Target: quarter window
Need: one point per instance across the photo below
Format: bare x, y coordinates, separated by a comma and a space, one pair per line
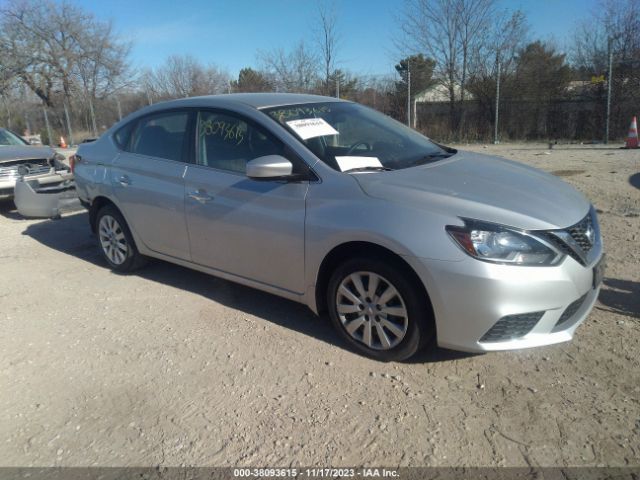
122, 136
162, 135
227, 142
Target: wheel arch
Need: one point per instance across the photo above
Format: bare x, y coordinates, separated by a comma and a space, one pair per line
342, 252
95, 207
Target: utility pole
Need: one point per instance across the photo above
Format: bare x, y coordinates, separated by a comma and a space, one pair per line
609, 82
408, 94
495, 127
46, 122
337, 85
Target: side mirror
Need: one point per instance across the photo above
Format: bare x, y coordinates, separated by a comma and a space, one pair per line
269, 167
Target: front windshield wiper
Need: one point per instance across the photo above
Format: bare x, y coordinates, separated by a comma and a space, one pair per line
368, 169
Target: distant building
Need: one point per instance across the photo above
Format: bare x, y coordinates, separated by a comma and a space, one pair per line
438, 93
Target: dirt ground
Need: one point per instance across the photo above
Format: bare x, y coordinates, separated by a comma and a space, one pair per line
173, 367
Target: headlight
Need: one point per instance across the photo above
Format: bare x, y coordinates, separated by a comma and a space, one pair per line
499, 244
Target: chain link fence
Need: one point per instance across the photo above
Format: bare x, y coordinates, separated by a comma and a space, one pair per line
74, 120
576, 111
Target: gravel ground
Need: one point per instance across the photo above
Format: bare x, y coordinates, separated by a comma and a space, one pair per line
173, 367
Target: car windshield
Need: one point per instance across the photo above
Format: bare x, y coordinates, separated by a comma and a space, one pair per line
353, 138
8, 138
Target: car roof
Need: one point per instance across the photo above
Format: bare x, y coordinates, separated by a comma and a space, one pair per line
256, 100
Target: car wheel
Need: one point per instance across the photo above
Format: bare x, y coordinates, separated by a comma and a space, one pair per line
378, 309
116, 242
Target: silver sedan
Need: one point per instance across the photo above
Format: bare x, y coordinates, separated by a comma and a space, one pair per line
329, 203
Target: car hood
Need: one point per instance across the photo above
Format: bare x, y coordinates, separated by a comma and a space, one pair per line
482, 187
24, 152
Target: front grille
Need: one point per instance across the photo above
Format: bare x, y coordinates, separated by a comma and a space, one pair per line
562, 246
568, 313
578, 239
579, 233
512, 327
35, 167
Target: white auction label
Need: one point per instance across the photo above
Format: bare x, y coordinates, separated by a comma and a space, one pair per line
311, 127
348, 163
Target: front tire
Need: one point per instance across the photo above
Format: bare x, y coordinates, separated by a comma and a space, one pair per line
379, 309
116, 242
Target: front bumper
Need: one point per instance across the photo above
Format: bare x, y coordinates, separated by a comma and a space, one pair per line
470, 296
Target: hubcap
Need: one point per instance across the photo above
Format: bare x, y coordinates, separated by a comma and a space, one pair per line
371, 310
112, 239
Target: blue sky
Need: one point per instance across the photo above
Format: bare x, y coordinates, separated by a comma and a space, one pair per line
229, 32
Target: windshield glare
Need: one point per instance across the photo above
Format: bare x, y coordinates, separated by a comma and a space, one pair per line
8, 138
351, 137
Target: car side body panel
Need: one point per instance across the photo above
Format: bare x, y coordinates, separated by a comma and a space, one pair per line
254, 229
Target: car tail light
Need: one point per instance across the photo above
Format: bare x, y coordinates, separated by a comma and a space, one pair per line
73, 159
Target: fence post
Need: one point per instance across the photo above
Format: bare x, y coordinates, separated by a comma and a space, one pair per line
408, 95
609, 82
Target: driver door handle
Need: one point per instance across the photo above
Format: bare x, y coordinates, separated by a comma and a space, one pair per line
200, 196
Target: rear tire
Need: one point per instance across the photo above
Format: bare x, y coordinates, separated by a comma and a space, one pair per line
378, 309
116, 242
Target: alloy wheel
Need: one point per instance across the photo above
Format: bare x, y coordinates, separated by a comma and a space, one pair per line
372, 310
112, 239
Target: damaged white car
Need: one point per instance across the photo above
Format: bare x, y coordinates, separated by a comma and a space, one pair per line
34, 176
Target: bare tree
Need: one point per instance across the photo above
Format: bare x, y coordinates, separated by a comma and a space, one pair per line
496, 55
293, 71
455, 33
327, 38
606, 53
102, 67
184, 76
473, 19
50, 46
615, 25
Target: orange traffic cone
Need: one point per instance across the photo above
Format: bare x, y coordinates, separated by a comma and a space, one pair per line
63, 144
632, 137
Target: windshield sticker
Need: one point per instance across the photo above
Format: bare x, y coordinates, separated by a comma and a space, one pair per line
348, 163
311, 127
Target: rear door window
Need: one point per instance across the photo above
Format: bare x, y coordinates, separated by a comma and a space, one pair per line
161, 135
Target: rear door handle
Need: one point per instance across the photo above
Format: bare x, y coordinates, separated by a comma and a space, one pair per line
200, 196
124, 180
